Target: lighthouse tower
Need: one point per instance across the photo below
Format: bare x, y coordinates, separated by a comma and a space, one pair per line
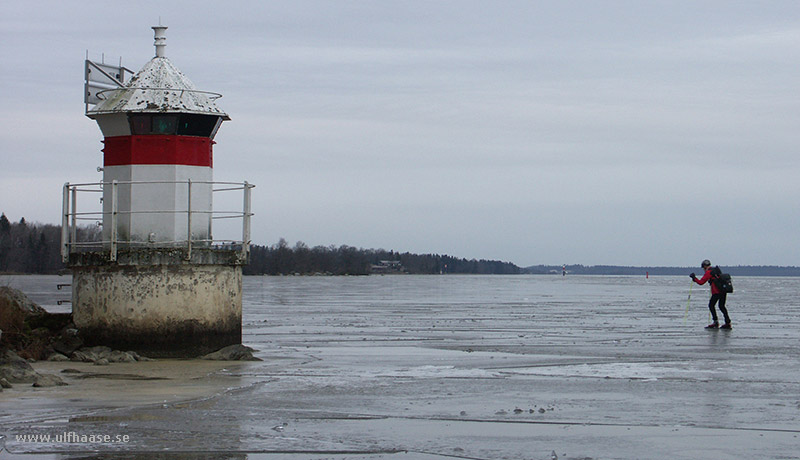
159, 133
158, 282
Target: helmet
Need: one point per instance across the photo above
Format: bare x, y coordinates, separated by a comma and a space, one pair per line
706, 263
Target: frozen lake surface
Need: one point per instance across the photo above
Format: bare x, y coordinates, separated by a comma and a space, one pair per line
439, 367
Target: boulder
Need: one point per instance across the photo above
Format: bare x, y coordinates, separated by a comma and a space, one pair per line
82, 357
105, 354
67, 342
15, 369
15, 310
237, 352
117, 356
19, 301
99, 351
57, 357
85, 355
28, 329
138, 357
4, 383
48, 380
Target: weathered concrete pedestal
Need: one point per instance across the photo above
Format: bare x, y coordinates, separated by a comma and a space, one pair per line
159, 302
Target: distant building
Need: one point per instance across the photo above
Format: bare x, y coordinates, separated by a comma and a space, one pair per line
388, 266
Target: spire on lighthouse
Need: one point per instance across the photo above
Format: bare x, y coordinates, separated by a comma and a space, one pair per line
158, 87
160, 39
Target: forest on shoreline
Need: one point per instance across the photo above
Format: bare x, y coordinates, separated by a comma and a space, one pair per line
33, 248
36, 249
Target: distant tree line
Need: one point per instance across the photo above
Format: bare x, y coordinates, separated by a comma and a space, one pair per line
737, 270
36, 248
29, 248
282, 259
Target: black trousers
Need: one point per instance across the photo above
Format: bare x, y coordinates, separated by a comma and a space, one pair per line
721, 297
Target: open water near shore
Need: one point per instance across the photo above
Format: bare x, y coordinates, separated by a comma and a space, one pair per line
438, 367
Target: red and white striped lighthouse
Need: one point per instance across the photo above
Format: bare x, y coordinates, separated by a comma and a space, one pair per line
158, 282
159, 134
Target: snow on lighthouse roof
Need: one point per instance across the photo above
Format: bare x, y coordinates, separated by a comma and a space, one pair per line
159, 87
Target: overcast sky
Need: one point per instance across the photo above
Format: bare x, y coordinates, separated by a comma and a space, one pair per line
592, 132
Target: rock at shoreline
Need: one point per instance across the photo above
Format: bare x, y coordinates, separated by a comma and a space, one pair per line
28, 329
68, 342
48, 380
237, 352
16, 310
19, 301
15, 369
101, 355
57, 357
117, 356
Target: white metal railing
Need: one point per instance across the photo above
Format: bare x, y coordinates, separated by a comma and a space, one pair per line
210, 94
72, 217
153, 94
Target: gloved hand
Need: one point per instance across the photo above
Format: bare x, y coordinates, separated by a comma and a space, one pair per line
693, 276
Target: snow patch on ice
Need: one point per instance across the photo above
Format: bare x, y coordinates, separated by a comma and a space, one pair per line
439, 372
639, 371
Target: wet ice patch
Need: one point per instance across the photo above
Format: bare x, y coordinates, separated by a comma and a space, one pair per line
637, 371
440, 372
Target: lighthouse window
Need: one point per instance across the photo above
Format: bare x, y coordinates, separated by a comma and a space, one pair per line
165, 124
153, 124
197, 125
140, 124
185, 124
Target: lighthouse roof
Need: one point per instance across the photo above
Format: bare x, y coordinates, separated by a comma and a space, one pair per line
159, 87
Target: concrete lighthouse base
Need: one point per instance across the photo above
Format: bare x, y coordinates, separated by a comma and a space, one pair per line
157, 302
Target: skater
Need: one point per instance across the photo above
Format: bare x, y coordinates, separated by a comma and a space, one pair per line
716, 296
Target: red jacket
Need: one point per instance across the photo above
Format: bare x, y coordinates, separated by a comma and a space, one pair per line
705, 278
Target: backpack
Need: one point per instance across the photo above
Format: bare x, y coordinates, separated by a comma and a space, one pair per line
721, 280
